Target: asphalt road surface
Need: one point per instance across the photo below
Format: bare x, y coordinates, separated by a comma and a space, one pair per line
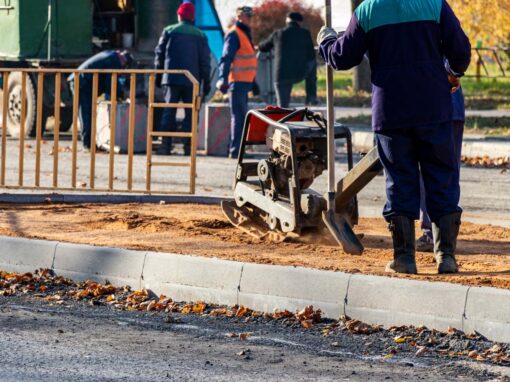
80, 342
485, 192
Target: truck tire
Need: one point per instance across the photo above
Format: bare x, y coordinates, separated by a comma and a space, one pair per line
14, 106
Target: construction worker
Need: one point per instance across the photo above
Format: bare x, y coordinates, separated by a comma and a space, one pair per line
110, 59
237, 73
425, 242
181, 46
294, 55
411, 112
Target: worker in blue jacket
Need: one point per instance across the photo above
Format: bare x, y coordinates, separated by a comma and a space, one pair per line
182, 46
237, 73
411, 112
110, 59
425, 242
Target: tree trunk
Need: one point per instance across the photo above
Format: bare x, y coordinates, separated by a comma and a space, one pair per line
361, 78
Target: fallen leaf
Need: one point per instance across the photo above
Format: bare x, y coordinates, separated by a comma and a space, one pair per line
243, 336
421, 351
401, 339
199, 308
242, 311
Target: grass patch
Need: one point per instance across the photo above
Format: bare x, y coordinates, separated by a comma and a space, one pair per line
483, 94
474, 125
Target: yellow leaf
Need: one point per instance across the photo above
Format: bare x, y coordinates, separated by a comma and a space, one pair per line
401, 339
199, 308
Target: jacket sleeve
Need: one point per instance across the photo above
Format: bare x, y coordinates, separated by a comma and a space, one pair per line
267, 44
456, 45
205, 61
160, 51
347, 51
230, 48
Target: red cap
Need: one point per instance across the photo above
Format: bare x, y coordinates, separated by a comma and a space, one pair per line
187, 11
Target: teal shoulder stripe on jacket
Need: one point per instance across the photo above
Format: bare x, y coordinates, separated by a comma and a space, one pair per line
185, 28
372, 14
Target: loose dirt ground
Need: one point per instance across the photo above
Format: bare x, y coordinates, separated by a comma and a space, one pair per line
201, 230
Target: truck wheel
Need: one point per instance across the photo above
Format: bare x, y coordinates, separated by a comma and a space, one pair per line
14, 106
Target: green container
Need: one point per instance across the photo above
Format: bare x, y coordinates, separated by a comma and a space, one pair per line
24, 29
152, 17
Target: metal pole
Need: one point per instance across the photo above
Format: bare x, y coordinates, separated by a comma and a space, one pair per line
5, 110
331, 123
49, 28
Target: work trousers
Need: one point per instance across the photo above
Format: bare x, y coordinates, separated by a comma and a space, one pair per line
458, 132
238, 100
284, 88
283, 92
311, 83
84, 112
406, 152
176, 94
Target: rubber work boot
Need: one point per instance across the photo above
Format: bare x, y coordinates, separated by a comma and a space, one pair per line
403, 235
165, 147
445, 242
425, 242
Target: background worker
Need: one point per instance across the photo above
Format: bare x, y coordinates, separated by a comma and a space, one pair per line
181, 46
426, 241
110, 59
411, 112
294, 56
237, 73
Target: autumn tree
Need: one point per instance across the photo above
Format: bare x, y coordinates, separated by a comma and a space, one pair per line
487, 21
271, 14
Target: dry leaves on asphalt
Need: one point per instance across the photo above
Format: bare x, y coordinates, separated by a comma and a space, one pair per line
46, 285
486, 161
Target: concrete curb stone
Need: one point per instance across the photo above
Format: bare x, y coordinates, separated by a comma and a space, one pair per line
373, 299
269, 287
190, 278
108, 198
26, 255
392, 301
83, 262
488, 312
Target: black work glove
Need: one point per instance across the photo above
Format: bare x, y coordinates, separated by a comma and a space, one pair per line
255, 89
159, 80
207, 88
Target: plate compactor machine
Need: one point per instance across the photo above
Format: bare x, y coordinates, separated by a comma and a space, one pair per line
272, 196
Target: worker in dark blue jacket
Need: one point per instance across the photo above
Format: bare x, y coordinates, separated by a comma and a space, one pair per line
425, 242
294, 56
237, 73
182, 46
411, 112
110, 59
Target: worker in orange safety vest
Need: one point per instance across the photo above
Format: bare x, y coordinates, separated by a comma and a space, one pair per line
237, 74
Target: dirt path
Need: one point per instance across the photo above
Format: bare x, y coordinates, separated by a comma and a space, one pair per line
484, 250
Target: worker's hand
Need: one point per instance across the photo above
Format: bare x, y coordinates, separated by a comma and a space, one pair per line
454, 83
207, 88
159, 80
255, 89
325, 33
222, 86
